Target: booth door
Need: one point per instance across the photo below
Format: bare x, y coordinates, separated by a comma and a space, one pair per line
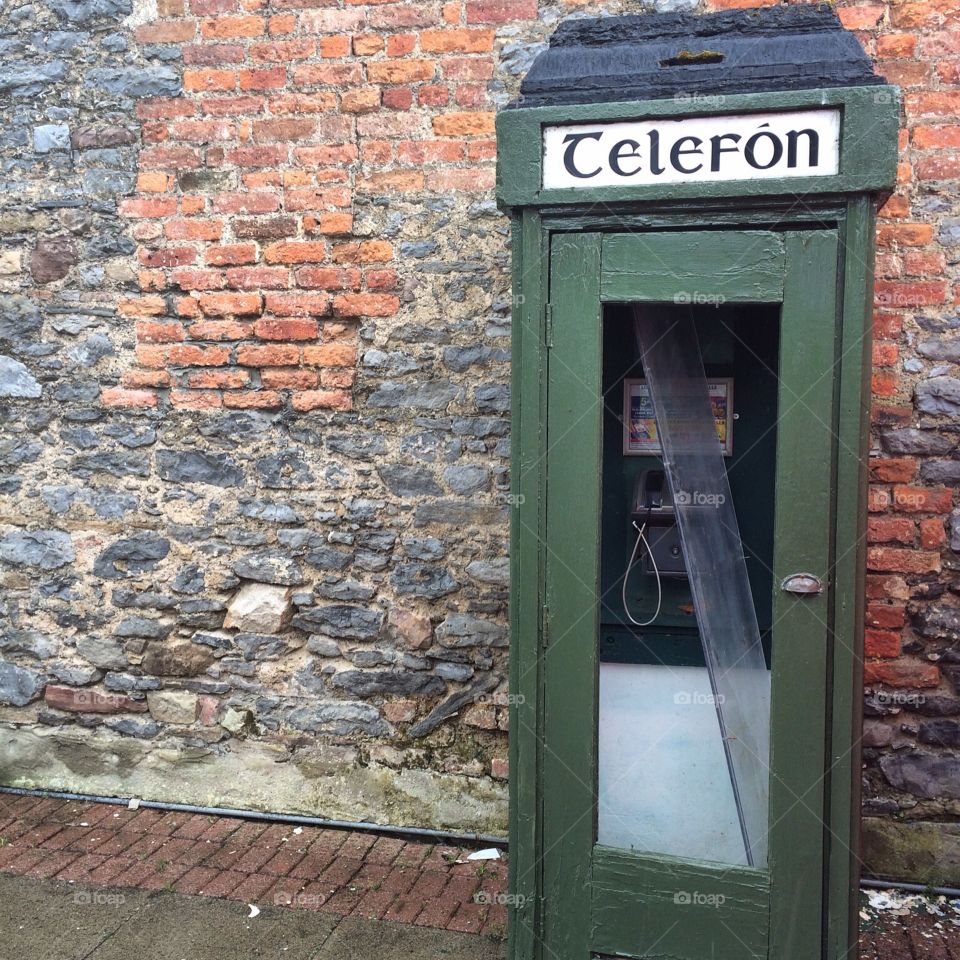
686, 627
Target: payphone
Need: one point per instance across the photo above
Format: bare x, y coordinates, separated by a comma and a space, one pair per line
692, 203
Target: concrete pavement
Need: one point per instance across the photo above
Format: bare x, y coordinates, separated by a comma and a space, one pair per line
57, 920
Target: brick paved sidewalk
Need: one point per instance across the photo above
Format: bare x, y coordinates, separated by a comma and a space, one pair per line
335, 871
346, 873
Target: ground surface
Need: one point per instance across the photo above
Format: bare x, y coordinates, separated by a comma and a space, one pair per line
86, 881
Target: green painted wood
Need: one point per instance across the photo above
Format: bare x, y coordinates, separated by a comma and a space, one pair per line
572, 570
800, 675
802, 624
693, 267
761, 213
868, 147
665, 907
853, 432
526, 559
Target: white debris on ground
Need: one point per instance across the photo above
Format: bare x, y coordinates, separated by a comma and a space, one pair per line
898, 903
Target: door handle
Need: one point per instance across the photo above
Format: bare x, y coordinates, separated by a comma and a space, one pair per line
802, 583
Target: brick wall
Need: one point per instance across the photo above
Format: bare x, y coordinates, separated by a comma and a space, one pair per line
255, 277
255, 335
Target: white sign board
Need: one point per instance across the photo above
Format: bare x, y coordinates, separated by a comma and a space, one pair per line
756, 146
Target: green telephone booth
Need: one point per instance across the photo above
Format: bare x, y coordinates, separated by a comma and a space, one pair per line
692, 204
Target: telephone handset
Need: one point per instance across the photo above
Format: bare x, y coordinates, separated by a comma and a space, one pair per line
652, 498
653, 516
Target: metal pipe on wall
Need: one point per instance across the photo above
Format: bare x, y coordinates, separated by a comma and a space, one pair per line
386, 829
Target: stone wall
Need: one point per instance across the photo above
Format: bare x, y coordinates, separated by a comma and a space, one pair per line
254, 343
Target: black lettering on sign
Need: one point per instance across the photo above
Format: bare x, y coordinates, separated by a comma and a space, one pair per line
749, 151
573, 140
692, 148
678, 150
622, 151
813, 153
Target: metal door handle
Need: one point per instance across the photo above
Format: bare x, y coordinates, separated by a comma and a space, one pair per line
802, 583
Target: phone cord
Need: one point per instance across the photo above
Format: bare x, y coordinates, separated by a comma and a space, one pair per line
641, 538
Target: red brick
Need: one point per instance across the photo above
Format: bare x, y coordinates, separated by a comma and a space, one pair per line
905, 234
289, 378
268, 355
500, 11
191, 279
228, 28
212, 54
164, 109
258, 278
256, 157
321, 399
328, 74
283, 51
231, 254
922, 499
188, 355
934, 104
283, 129
147, 207
938, 168
365, 305
932, 534
898, 470
295, 252
267, 228
145, 378
460, 180
122, 397
230, 304
248, 202
81, 700
196, 880
902, 561
193, 229
169, 257
330, 355
327, 278
243, 105
901, 673
913, 294
297, 304
366, 251
220, 330
150, 331
881, 643
398, 98
271, 329
203, 81
166, 31
885, 615
218, 379
203, 131
400, 71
